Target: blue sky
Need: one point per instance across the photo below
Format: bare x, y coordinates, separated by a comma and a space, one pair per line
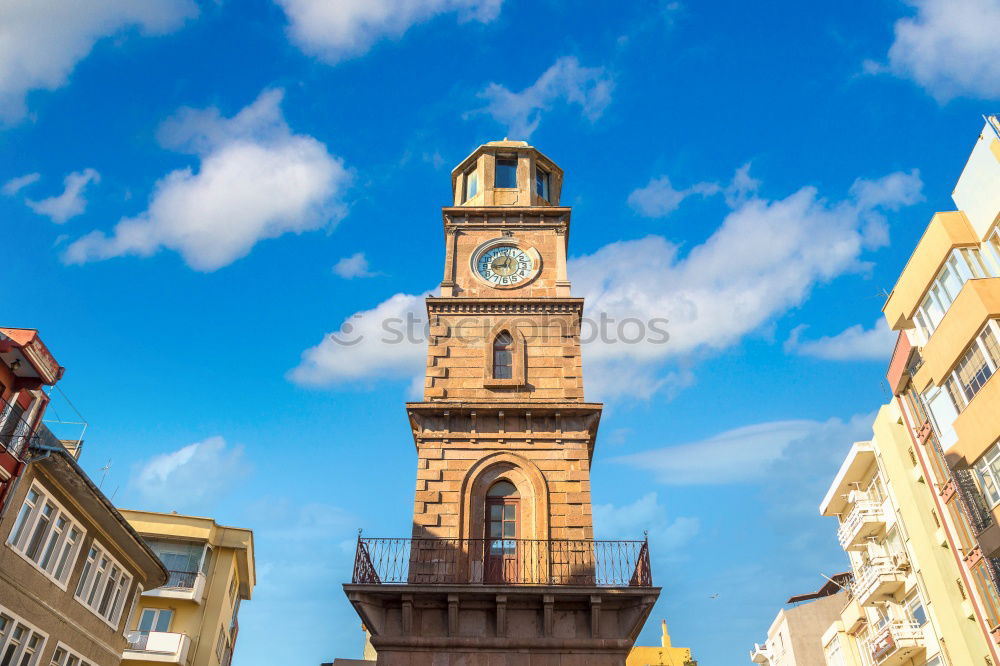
194, 194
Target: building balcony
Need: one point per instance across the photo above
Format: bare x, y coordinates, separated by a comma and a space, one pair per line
157, 646
188, 585
896, 643
15, 432
976, 427
865, 520
500, 562
853, 616
760, 654
883, 577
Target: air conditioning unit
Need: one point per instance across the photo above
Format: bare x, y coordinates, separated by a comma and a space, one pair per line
901, 562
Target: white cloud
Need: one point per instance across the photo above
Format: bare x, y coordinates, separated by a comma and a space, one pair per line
629, 521
740, 454
949, 47
659, 198
388, 341
71, 202
763, 259
565, 81
190, 475
335, 31
41, 42
255, 180
855, 343
354, 266
15, 185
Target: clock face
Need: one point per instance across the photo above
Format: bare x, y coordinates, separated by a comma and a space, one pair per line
505, 265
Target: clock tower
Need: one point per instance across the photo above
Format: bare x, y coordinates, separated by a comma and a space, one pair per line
502, 559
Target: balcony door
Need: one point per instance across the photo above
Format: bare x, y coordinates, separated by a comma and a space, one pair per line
502, 532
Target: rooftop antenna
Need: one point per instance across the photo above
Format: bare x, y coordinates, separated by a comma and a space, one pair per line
104, 473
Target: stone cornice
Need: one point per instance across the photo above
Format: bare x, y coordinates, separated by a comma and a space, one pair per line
460, 304
498, 217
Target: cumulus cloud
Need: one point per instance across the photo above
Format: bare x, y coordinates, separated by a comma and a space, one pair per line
659, 197
41, 42
629, 521
389, 342
566, 81
15, 185
763, 259
190, 475
354, 266
949, 47
255, 179
335, 31
71, 202
855, 343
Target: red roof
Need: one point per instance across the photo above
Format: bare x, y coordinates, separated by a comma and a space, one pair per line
21, 336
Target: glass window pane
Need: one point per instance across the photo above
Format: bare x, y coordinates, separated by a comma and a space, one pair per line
495, 512
496, 529
508, 530
506, 172
508, 512
950, 284
502, 489
163, 620
146, 620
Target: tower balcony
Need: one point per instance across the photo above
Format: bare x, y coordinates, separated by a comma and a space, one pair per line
896, 643
866, 519
883, 577
502, 562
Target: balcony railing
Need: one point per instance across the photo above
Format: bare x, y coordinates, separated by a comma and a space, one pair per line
181, 580
853, 530
882, 576
893, 638
159, 642
502, 562
15, 432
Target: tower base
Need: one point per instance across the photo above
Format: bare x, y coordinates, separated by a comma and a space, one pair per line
482, 625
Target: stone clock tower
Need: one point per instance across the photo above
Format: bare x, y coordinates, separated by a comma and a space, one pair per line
502, 561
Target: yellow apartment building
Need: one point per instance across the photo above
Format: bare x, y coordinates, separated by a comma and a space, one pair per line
193, 619
907, 605
946, 307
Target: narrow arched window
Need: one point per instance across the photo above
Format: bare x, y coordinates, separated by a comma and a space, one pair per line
503, 356
502, 532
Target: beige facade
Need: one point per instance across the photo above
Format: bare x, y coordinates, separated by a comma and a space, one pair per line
71, 568
192, 620
907, 605
793, 639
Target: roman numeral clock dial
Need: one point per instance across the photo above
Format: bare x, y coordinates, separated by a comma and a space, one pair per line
505, 265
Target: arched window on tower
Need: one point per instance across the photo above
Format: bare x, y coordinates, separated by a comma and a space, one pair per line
503, 356
502, 531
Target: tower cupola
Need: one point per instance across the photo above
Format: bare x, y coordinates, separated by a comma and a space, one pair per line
506, 173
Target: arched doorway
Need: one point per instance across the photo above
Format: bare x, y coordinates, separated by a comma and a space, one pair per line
502, 523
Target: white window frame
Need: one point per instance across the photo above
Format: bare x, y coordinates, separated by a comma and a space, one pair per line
94, 575
987, 471
6, 633
911, 600
470, 184
991, 364
962, 264
63, 554
71, 657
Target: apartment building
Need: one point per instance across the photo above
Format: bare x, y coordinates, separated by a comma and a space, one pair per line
946, 306
193, 619
71, 567
908, 604
793, 637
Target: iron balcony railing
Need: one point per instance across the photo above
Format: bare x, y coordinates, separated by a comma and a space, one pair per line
181, 580
15, 432
503, 562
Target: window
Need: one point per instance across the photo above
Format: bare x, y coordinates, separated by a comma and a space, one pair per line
506, 172
987, 470
233, 586
542, 183
976, 365
834, 655
63, 656
963, 264
915, 609
103, 585
20, 643
987, 592
502, 501
182, 559
155, 619
46, 535
471, 185
503, 356
220, 645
